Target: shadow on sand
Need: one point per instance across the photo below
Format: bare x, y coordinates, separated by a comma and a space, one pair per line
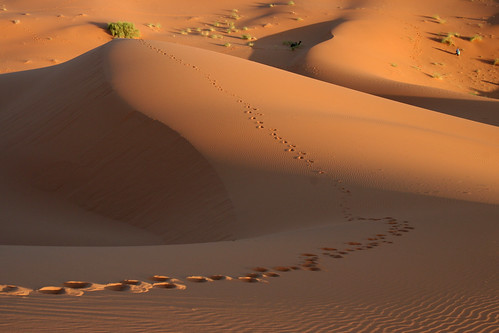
310, 36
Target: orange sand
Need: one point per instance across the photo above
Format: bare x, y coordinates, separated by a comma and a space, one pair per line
356, 191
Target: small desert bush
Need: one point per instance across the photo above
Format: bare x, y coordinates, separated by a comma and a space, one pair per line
247, 37
437, 76
438, 19
154, 25
227, 44
393, 64
496, 62
291, 3
448, 39
123, 30
476, 38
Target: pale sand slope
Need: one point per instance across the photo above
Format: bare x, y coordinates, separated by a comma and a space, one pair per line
355, 156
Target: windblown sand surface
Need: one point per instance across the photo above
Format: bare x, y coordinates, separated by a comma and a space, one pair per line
339, 187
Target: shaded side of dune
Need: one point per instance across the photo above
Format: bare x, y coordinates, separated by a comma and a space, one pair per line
67, 134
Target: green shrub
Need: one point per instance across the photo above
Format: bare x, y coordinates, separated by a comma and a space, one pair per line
438, 19
448, 39
123, 30
437, 76
476, 38
496, 62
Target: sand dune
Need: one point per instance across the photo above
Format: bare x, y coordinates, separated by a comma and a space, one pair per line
60, 151
337, 187
159, 163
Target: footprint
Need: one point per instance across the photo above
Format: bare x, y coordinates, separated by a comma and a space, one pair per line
51, 290
253, 275
282, 269
159, 278
76, 284
116, 286
247, 279
131, 282
271, 274
260, 269
15, 290
9, 288
196, 278
218, 277
313, 269
309, 264
165, 285
260, 127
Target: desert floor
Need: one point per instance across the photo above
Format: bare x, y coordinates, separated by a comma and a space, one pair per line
207, 177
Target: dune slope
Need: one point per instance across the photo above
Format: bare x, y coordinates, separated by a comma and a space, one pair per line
67, 136
170, 139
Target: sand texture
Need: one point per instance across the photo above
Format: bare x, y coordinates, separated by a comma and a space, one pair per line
207, 177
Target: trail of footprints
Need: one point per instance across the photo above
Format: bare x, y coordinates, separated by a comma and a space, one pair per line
306, 261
